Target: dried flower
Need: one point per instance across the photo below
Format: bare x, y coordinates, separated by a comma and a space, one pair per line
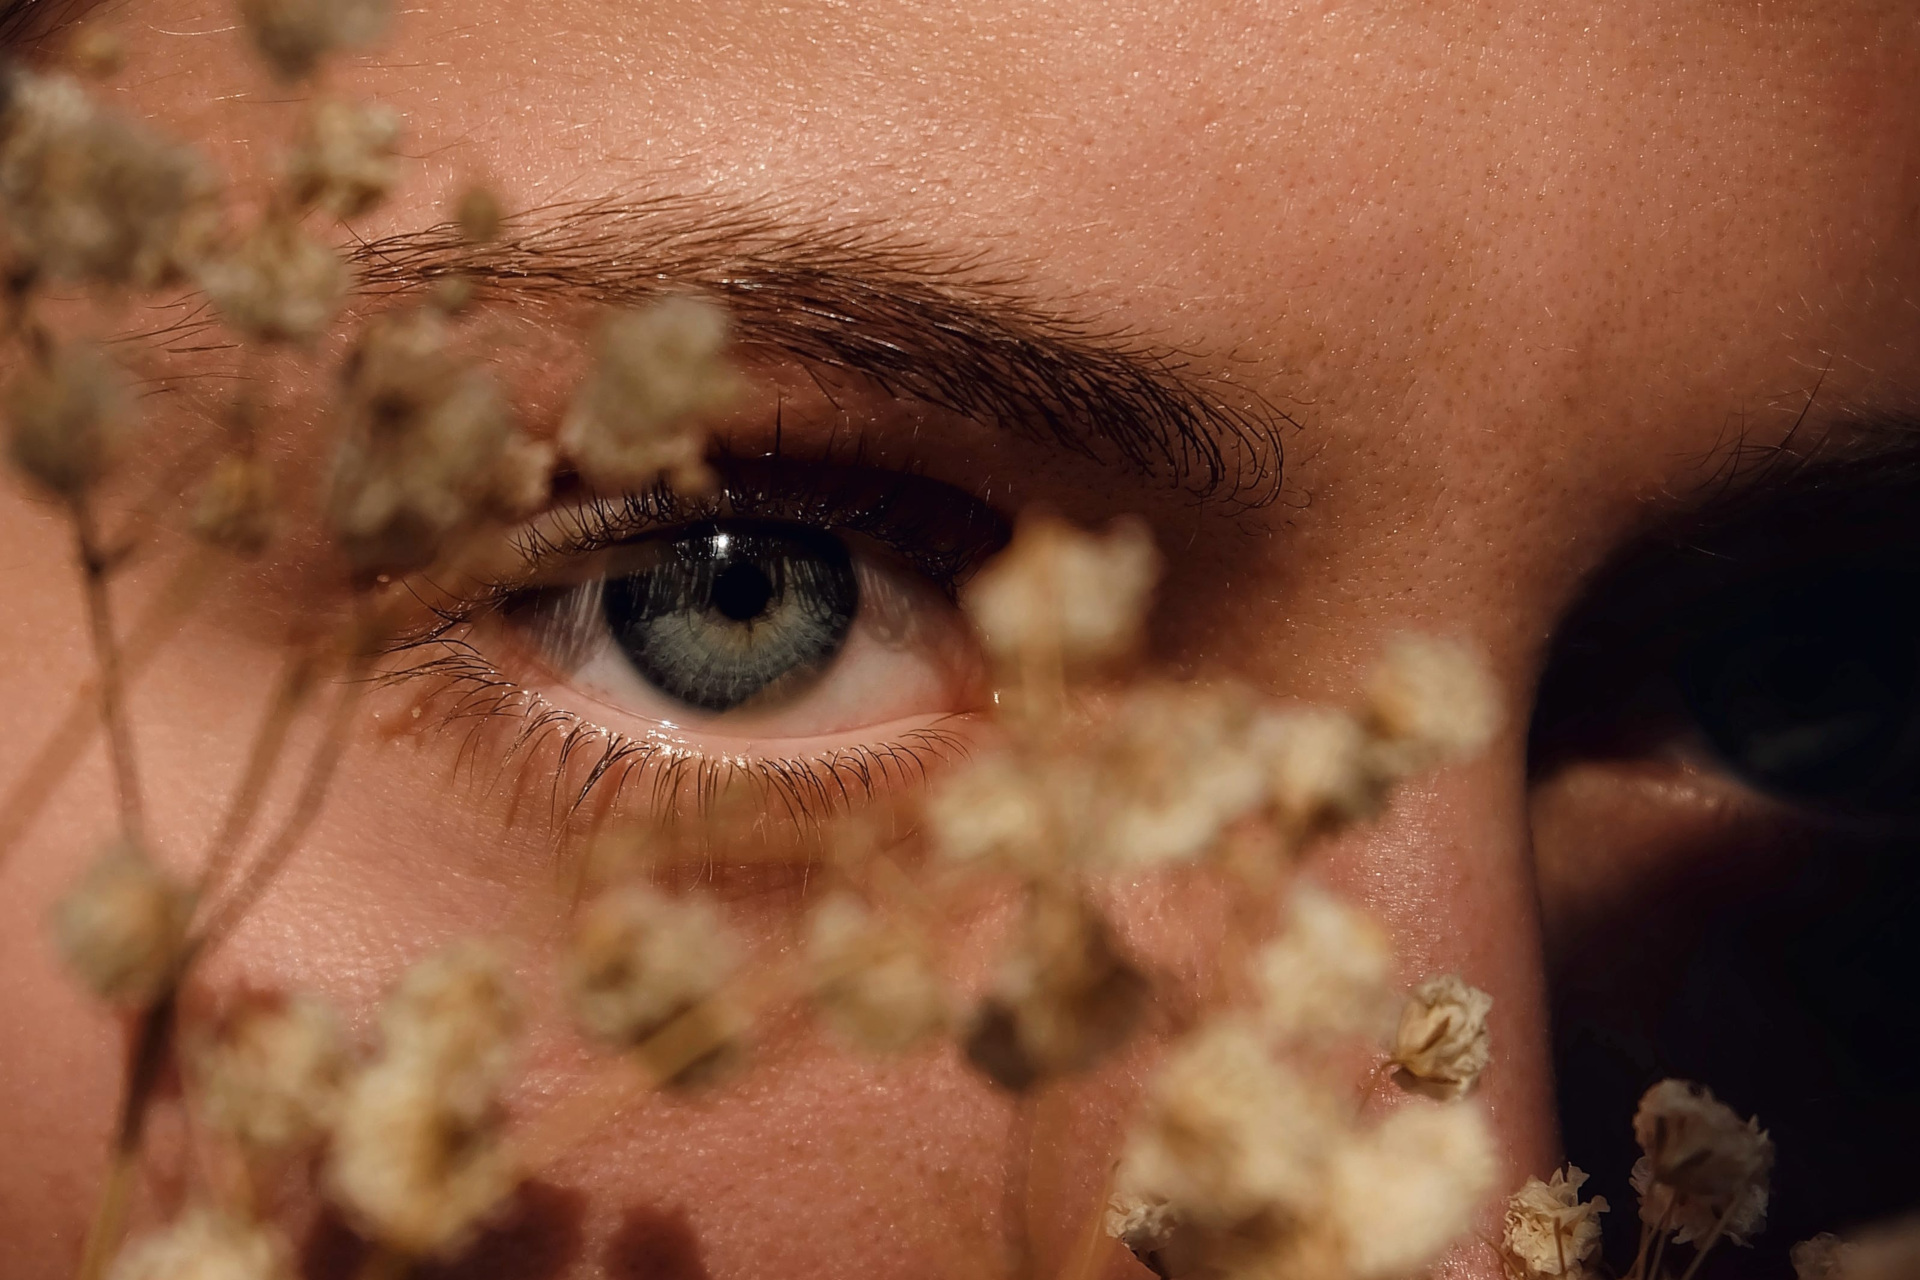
294, 35
344, 161
1549, 1231
1064, 997
637, 416
1328, 972
67, 418
1171, 770
418, 1156
278, 284
1060, 594
1401, 1194
1702, 1163
478, 214
1321, 770
236, 509
96, 50
205, 1244
1147, 1225
1824, 1257
875, 985
123, 928
996, 808
1432, 700
638, 960
429, 448
1229, 1133
1442, 1045
85, 195
272, 1073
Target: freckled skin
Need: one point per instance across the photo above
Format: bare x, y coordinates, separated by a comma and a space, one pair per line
1512, 268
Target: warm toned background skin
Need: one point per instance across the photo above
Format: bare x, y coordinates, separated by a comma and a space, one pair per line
1512, 267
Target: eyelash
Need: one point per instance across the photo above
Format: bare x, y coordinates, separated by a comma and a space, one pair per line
932, 528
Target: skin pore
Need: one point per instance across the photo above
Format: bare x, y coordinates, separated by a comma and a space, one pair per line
1509, 281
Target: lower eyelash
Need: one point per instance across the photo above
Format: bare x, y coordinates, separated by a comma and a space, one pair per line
592, 766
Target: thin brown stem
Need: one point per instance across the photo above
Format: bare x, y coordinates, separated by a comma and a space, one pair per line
160, 620
307, 804
1660, 1239
1706, 1246
1015, 1190
263, 757
147, 1058
382, 1263
112, 677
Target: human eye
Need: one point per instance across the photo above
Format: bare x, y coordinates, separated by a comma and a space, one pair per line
798, 627
1726, 805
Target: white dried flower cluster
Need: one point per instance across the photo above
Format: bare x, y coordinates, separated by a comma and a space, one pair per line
1001, 810
1328, 973
1886, 1251
293, 36
237, 506
638, 960
1550, 1231
1065, 994
1061, 595
1442, 1044
638, 416
122, 929
206, 1244
344, 161
86, 196
67, 419
875, 983
1243, 1166
1705, 1172
277, 284
428, 449
419, 1158
272, 1073
1322, 769
1431, 701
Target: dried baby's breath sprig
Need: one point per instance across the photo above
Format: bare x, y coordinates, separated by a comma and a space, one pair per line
639, 960
1063, 598
1431, 701
428, 449
123, 928
1442, 1044
638, 416
206, 1244
1147, 1226
998, 809
1328, 973
1228, 1134
271, 1072
1400, 1194
419, 1158
86, 196
96, 49
278, 284
1887, 1251
1065, 995
237, 507
875, 983
1550, 1231
1705, 1172
344, 160
292, 36
1322, 772
68, 417
478, 214
1169, 771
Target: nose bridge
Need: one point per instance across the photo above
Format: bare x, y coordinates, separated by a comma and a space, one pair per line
1448, 867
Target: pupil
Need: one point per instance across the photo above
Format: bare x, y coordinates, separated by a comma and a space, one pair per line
742, 591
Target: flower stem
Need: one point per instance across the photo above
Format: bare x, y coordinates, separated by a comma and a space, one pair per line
94, 566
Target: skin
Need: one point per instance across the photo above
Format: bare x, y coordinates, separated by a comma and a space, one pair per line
1512, 269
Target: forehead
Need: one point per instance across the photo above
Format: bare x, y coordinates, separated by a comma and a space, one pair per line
1466, 244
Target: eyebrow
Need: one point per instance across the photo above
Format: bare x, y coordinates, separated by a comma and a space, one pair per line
947, 330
